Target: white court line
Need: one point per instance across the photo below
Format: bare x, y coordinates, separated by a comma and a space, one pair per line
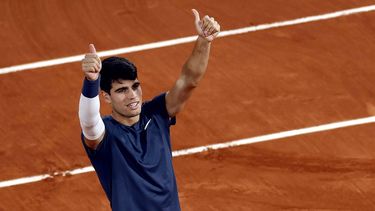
269, 137
177, 41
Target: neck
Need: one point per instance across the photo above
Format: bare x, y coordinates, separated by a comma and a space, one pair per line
128, 121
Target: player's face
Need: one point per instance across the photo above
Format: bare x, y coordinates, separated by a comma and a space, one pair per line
126, 98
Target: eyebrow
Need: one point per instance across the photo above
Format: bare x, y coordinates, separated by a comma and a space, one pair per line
126, 87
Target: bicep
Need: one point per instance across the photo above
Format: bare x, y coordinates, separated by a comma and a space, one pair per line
177, 97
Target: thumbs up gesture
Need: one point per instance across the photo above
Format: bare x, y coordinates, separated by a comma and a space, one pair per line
91, 64
207, 27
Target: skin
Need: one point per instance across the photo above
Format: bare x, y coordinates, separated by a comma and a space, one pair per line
126, 101
125, 92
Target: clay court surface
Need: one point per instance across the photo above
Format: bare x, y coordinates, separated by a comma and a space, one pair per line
257, 83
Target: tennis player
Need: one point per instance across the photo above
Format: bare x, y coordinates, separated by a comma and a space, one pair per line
130, 149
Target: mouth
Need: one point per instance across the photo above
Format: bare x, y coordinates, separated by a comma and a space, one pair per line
133, 106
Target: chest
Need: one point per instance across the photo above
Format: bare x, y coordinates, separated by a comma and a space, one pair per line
147, 142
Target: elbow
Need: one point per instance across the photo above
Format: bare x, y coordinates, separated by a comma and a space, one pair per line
192, 81
172, 112
192, 84
189, 82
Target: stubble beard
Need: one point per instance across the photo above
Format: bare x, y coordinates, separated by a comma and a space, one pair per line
127, 115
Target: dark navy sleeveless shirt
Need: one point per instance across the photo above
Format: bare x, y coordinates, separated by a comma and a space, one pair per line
134, 163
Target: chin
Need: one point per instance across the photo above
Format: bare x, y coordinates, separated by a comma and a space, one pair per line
134, 113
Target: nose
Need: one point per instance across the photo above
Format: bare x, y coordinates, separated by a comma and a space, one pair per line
132, 94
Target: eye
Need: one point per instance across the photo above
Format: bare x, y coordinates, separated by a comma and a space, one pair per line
121, 90
136, 85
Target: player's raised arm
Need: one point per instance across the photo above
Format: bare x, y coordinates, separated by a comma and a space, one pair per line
89, 117
195, 67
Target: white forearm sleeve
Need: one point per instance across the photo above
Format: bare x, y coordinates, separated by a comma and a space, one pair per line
89, 117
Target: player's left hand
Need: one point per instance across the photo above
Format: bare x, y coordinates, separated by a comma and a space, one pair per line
207, 28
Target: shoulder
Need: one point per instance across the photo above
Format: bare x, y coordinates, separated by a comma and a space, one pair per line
109, 121
156, 105
157, 108
107, 118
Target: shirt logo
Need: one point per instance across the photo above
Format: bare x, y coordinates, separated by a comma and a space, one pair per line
147, 124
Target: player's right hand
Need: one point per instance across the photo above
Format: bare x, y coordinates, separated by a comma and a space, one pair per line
91, 64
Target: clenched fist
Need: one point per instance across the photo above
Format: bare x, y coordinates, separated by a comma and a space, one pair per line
91, 64
207, 28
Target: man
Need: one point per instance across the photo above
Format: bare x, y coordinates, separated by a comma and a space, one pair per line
130, 149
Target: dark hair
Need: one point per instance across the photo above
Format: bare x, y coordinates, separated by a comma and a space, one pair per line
116, 68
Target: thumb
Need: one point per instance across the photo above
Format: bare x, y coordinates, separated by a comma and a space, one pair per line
196, 14
92, 48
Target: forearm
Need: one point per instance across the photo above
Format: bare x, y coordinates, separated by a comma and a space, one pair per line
196, 65
91, 123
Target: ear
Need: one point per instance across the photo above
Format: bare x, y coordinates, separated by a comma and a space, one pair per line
107, 97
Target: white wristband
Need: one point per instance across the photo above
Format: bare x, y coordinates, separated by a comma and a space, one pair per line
89, 117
